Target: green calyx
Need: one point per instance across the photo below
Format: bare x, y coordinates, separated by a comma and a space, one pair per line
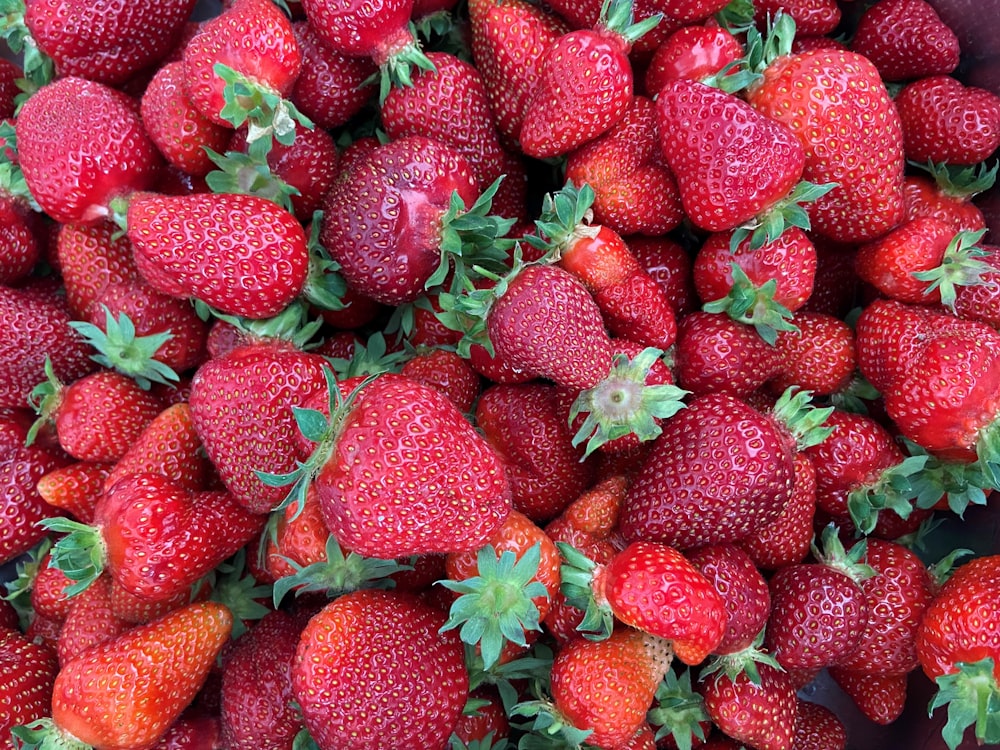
45, 735
787, 212
988, 453
12, 180
960, 182
267, 116
39, 69
530, 670
741, 662
895, 490
776, 41
338, 574
961, 483
622, 404
737, 17
232, 584
972, 696
245, 175
472, 242
119, 348
26, 571
292, 325
81, 554
962, 265
754, 305
617, 17
325, 287
397, 70
564, 217
835, 556
549, 728
678, 711
370, 358
577, 575
806, 423
855, 396
496, 607
45, 399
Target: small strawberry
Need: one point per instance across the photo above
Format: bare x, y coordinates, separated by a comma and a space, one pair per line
813, 18
946, 192
75, 488
26, 685
694, 51
670, 266
818, 728
91, 257
90, 620
906, 39
818, 356
880, 697
20, 249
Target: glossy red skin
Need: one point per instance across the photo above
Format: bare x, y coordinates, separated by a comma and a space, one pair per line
526, 426
90, 620
655, 589
160, 538
399, 434
90, 258
382, 218
906, 39
743, 589
254, 38
806, 92
694, 52
955, 624
25, 681
818, 728
75, 488
106, 41
670, 266
818, 357
22, 506
763, 716
20, 249
922, 197
385, 651
9, 73
812, 17
982, 301
361, 29
889, 262
80, 144
880, 697
946, 121
725, 168
260, 251
701, 484
449, 373
634, 191
584, 88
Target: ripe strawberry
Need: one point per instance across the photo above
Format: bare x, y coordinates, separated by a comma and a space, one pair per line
980, 301
528, 430
584, 85
36, 327
153, 536
9, 73
634, 191
862, 153
20, 249
81, 144
404, 683
90, 620
813, 18
670, 266
945, 193
247, 238
26, 685
75, 488
157, 669
880, 697
818, 728
485, 721
694, 51
760, 712
906, 39
90, 257
449, 373
819, 356
946, 121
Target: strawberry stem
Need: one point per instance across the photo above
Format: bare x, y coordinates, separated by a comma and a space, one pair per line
397, 60
617, 18
119, 348
806, 423
45, 399
753, 305
243, 174
787, 212
12, 180
678, 711
833, 554
81, 554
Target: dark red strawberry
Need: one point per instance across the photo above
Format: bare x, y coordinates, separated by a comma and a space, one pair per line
90, 257
760, 712
906, 39
880, 697
696, 51
23, 507
27, 678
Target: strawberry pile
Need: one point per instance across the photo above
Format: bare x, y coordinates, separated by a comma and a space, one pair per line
413, 375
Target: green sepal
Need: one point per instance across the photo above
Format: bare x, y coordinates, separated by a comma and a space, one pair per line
943, 569
292, 324
565, 214
737, 17
44, 399
242, 174
496, 606
530, 671
622, 404
397, 70
894, 490
81, 554
754, 305
741, 662
38, 67
617, 17
325, 287
962, 265
776, 41
833, 554
119, 348
988, 453
489, 742
576, 584
855, 396
678, 711
787, 212
549, 724
961, 483
338, 574
806, 422
732, 78
972, 696
232, 584
267, 116
961, 182
371, 357
43, 734
304, 741
25, 572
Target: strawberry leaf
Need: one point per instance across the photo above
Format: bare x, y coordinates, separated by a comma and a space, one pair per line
120, 348
80, 555
754, 305
577, 585
973, 699
962, 265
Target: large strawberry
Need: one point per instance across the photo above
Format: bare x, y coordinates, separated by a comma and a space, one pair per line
156, 670
400, 682
241, 254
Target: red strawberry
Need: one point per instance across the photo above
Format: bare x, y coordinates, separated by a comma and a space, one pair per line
385, 651
26, 686
20, 249
696, 51
584, 85
760, 712
449, 373
945, 193
90, 258
246, 238
946, 121
75, 488
980, 301
157, 669
813, 18
9, 73
906, 39
90, 620
880, 697
487, 723
818, 728
670, 266
819, 356
81, 144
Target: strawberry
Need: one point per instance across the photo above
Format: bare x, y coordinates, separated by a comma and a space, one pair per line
958, 650
385, 652
449, 373
760, 712
813, 18
26, 685
484, 720
90, 257
246, 237
670, 266
81, 144
19, 245
634, 192
979, 301
906, 39
945, 193
694, 51
89, 621
392, 255
946, 121
154, 537
156, 669
36, 327
75, 488
818, 728
818, 356
880, 697
584, 85
699, 486
9, 73
862, 153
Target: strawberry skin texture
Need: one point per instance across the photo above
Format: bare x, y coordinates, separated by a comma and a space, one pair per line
382, 218
241, 254
107, 41
80, 144
359, 29
127, 692
838, 107
27, 672
409, 475
372, 670
761, 715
